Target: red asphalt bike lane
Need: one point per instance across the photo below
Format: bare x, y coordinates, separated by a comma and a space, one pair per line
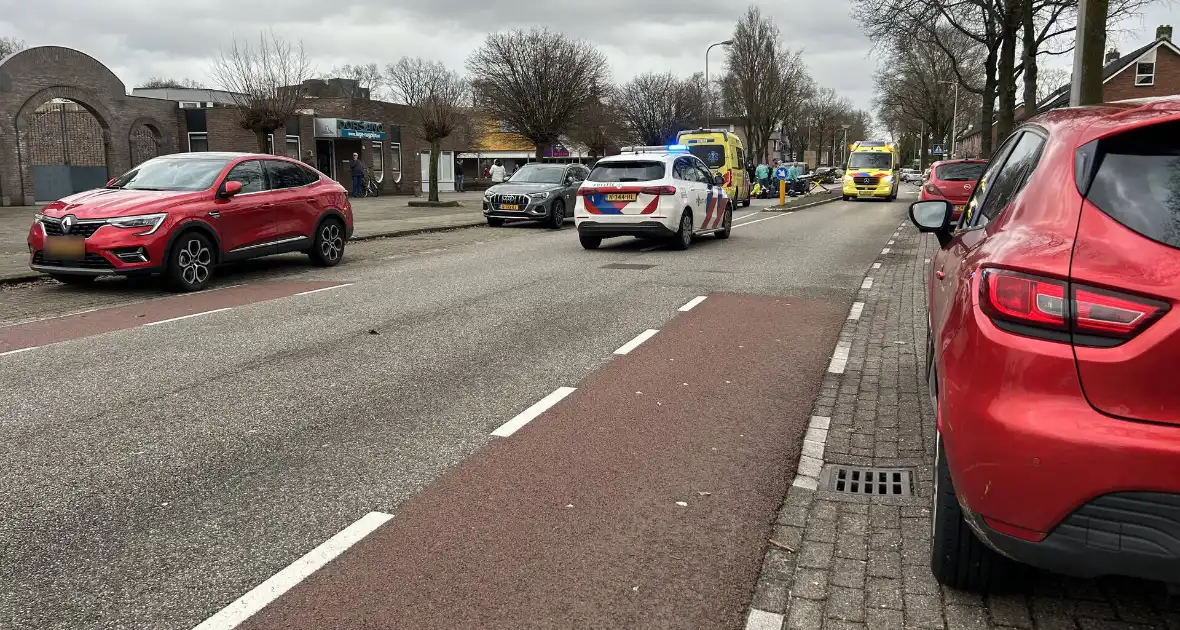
48, 331
574, 522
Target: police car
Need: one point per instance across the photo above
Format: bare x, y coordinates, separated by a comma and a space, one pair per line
653, 192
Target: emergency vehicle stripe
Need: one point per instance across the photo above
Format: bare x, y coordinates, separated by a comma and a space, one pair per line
651, 207
708, 209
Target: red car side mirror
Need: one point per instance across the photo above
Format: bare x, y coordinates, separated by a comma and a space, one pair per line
230, 189
111, 183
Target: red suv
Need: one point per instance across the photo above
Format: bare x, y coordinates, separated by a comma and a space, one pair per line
952, 180
1053, 343
181, 215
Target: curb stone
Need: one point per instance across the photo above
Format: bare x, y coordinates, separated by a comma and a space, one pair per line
800, 207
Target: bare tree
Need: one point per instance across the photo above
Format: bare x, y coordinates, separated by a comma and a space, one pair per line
1049, 81
764, 80
368, 76
11, 46
176, 84
656, 106
439, 98
265, 82
601, 125
537, 82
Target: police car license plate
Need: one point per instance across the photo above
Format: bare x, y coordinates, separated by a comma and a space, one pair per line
510, 206
65, 247
622, 196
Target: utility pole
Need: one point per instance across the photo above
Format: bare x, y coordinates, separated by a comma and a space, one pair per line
709, 86
844, 149
1086, 84
955, 116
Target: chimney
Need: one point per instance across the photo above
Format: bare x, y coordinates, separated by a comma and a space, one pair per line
1111, 55
1164, 32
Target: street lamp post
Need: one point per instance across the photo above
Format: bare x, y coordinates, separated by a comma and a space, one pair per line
708, 86
844, 149
954, 116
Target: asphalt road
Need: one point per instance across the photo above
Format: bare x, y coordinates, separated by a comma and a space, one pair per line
153, 474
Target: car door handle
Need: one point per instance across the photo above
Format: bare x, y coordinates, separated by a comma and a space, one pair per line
214, 214
940, 275
309, 199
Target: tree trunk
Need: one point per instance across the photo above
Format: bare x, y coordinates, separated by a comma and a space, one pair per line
1007, 69
1030, 60
1093, 43
435, 149
540, 153
260, 135
987, 114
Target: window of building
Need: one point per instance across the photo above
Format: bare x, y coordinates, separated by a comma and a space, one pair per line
293, 147
395, 157
190, 105
377, 160
198, 142
1145, 73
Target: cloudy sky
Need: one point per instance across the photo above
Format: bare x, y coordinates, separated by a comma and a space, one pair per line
138, 39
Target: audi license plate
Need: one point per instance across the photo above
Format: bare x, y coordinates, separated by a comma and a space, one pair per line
622, 196
510, 206
65, 247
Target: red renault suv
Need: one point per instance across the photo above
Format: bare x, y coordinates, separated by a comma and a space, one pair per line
1054, 336
182, 215
952, 180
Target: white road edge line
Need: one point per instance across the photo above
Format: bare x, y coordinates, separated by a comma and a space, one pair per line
857, 309
692, 303
876, 265
886, 250
778, 216
339, 286
867, 284
245, 606
18, 351
526, 416
764, 620
840, 358
176, 319
637, 341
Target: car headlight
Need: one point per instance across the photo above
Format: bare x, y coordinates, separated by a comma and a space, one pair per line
151, 221
847, 179
38, 216
539, 195
888, 179
488, 194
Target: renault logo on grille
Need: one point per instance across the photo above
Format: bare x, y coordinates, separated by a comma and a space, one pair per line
67, 222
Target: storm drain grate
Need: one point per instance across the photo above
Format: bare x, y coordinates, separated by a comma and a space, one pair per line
890, 482
626, 266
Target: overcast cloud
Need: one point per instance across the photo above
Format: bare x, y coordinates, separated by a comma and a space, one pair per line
138, 39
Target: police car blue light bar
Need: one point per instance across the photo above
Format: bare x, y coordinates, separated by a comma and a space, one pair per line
677, 147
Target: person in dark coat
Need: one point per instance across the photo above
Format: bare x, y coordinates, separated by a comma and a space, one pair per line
358, 175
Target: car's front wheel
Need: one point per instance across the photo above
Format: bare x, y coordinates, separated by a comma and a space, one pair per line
328, 248
71, 279
557, 215
190, 265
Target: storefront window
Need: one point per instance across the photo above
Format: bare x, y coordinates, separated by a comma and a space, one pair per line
293, 147
378, 162
198, 142
395, 158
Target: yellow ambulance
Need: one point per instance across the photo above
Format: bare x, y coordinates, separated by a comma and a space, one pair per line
874, 170
723, 152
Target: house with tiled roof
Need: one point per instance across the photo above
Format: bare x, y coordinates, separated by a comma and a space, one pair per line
1151, 70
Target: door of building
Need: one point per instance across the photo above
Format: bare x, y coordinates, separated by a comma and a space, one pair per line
446, 171
325, 157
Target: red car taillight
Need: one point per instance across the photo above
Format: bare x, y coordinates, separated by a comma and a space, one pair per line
1038, 303
932, 189
659, 190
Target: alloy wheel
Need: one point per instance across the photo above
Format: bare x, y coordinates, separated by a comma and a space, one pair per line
194, 261
686, 230
331, 241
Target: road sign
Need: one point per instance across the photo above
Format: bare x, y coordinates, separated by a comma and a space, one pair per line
938, 149
780, 172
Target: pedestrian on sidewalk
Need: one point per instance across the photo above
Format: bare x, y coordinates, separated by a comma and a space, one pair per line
762, 175
498, 172
458, 175
358, 175
309, 158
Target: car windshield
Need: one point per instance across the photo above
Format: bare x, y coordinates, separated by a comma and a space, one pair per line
172, 174
870, 160
645, 171
713, 155
531, 174
960, 172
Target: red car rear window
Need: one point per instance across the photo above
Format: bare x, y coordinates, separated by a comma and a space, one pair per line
960, 172
1138, 181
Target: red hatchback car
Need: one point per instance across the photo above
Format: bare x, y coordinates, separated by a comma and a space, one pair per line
1054, 336
952, 180
181, 215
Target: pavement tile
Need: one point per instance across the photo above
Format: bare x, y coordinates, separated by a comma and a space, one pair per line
811, 584
883, 593
805, 614
815, 555
845, 603
923, 611
849, 573
883, 619
885, 564
966, 617
771, 595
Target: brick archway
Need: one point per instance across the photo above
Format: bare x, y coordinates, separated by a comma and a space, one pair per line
145, 140
29, 143
37, 75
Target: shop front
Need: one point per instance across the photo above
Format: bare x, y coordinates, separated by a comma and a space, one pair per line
336, 139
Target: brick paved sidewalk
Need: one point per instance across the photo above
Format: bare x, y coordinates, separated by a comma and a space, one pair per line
841, 561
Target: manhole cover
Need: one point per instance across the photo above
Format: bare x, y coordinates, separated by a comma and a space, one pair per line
626, 266
891, 482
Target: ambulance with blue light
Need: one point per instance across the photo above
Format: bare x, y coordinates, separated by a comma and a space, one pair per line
663, 192
725, 155
874, 171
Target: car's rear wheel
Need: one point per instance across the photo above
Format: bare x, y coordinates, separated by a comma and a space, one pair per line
494, 222
746, 202
557, 215
328, 248
684, 233
71, 279
589, 241
190, 264
726, 224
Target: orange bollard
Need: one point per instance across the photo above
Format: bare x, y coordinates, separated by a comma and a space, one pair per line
782, 191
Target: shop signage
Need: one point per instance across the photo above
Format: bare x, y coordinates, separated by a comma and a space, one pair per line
344, 128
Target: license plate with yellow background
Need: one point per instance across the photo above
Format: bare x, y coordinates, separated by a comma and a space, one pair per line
622, 196
510, 206
65, 247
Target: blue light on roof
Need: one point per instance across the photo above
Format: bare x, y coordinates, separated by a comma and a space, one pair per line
677, 147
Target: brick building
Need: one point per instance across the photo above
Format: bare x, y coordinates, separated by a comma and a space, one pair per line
67, 124
1152, 70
